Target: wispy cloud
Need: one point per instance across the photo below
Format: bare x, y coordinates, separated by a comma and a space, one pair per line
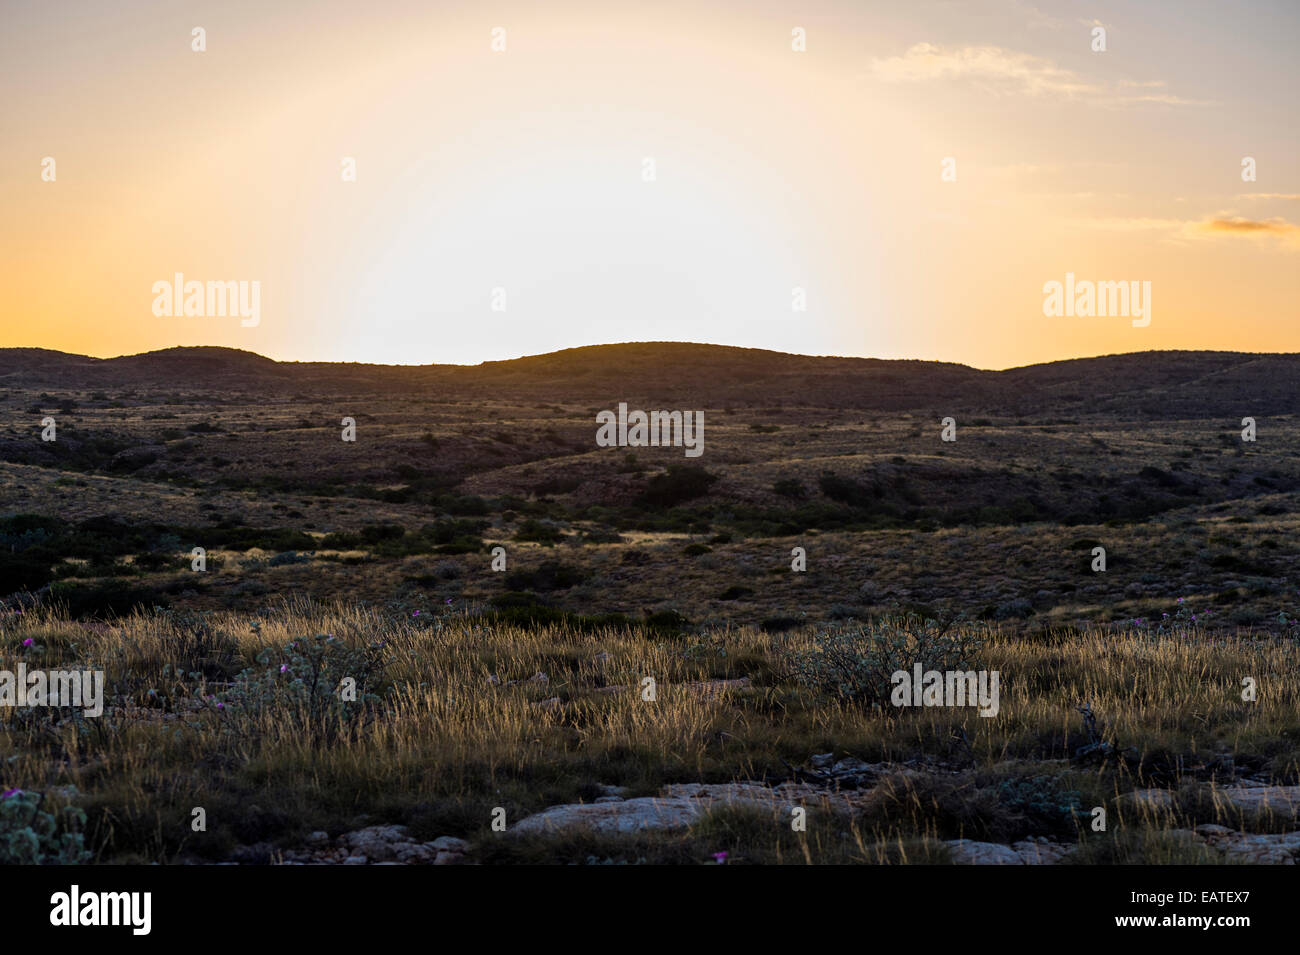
1293, 196
1241, 226
1002, 71
1221, 226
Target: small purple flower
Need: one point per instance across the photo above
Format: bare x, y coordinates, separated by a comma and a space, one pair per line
284, 668
28, 642
448, 600
415, 613
12, 792
1180, 599
221, 706
720, 857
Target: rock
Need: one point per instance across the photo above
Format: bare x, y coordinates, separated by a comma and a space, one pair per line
257, 854
449, 858
822, 760
318, 839
1277, 800
448, 844
681, 805
629, 815
413, 854
378, 843
1259, 849
1211, 831
1040, 851
355, 860
968, 852
1147, 799
854, 766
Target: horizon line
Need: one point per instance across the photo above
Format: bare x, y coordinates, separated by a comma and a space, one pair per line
558, 351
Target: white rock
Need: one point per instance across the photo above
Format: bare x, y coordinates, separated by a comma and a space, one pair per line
969, 852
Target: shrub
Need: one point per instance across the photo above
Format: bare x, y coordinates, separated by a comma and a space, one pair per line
847, 490
302, 696
551, 575
792, 488
190, 643
31, 835
1044, 803
856, 663
538, 532
680, 483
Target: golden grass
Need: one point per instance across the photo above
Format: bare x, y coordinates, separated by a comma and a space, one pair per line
448, 744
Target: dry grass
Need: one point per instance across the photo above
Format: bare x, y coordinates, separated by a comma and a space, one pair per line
446, 744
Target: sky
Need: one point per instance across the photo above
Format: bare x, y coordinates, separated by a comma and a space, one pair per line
530, 177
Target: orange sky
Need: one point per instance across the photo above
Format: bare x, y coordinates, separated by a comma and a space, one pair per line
518, 175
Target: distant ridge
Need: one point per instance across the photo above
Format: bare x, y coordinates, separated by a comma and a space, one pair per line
1154, 383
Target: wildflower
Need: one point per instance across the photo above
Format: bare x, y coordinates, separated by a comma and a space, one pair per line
415, 613
12, 792
28, 642
284, 668
221, 706
720, 857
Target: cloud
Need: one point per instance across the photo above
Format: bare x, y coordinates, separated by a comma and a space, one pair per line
1238, 225
1212, 227
1293, 196
1004, 71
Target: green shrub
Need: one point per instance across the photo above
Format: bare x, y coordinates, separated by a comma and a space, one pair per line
551, 575
792, 488
536, 531
680, 483
856, 663
31, 835
1044, 802
302, 695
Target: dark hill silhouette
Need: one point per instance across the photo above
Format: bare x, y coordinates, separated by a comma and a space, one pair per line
1151, 384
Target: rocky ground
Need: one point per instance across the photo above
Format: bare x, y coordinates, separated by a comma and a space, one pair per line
842, 786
